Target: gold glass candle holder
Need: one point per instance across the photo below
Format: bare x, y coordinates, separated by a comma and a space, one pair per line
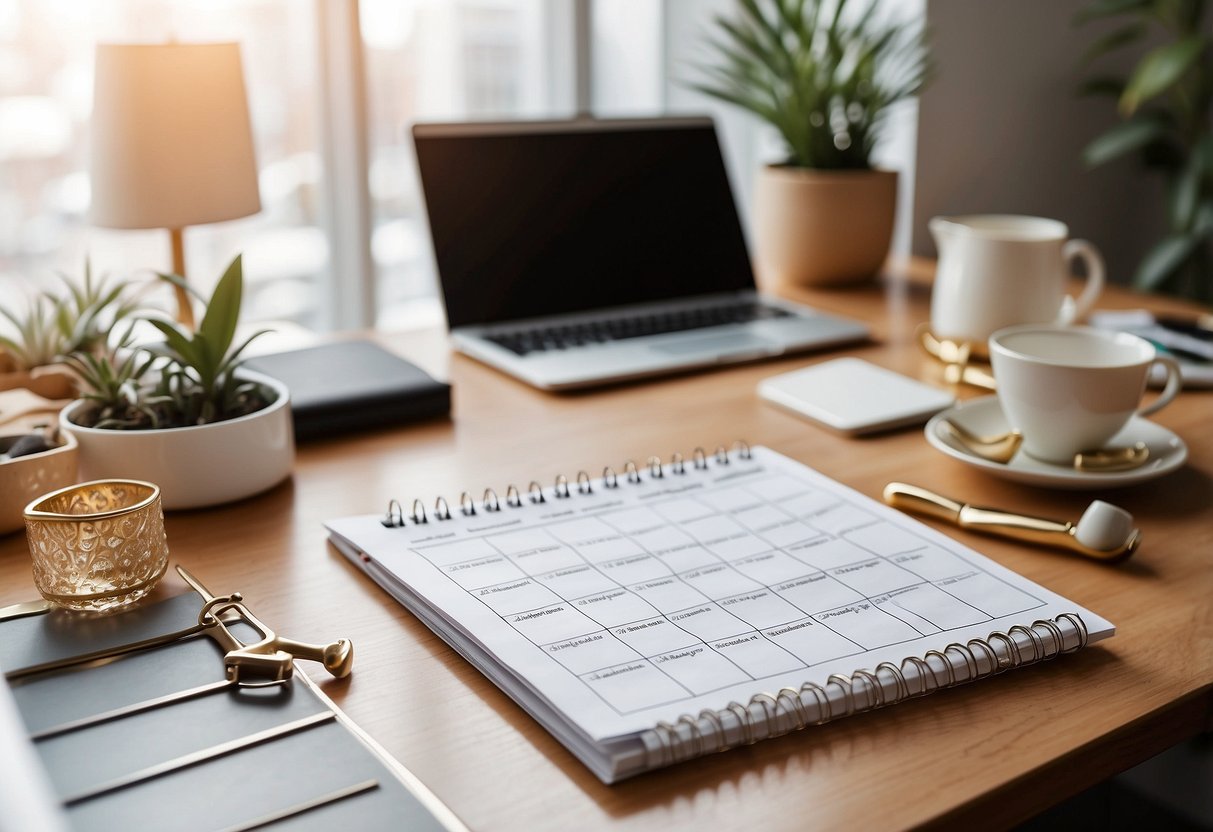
98, 545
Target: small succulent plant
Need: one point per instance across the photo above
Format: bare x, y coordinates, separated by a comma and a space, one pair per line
189, 379
53, 326
37, 340
89, 311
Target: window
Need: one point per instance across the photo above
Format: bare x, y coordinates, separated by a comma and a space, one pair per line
46, 69
418, 60
444, 60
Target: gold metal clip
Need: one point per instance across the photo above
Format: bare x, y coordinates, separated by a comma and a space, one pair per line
269, 660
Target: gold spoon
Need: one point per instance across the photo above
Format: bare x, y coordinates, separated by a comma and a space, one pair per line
1113, 459
1002, 447
999, 448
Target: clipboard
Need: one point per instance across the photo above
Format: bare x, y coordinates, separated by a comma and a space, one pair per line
138, 718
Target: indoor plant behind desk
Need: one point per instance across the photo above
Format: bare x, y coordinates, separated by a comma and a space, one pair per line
824, 78
183, 414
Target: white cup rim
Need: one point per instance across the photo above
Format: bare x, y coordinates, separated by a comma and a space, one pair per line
1144, 347
1009, 227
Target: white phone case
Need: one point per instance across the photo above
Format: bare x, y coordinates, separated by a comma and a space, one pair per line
852, 396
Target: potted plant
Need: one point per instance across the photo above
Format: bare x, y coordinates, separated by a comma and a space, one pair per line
52, 326
184, 414
824, 75
1166, 105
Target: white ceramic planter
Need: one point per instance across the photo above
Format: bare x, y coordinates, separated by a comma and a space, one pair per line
822, 228
196, 466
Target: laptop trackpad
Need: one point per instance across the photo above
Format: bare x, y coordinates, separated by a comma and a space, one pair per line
719, 345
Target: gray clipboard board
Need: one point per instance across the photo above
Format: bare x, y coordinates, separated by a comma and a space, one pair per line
153, 735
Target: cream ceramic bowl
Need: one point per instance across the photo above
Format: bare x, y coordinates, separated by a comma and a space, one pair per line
26, 477
199, 466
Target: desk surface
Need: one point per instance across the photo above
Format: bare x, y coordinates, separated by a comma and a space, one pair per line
996, 751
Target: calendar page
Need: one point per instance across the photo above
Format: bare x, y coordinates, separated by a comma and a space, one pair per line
633, 600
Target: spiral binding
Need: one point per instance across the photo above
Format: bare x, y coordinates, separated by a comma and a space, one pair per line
768, 715
653, 469
792, 709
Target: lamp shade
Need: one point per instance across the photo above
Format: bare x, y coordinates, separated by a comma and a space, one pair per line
172, 145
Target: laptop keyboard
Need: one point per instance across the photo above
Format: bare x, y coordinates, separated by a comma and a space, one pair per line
523, 342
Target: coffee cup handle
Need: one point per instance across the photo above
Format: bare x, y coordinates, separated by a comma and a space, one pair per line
1169, 391
1084, 250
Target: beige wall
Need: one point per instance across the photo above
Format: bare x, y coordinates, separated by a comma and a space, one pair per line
1001, 130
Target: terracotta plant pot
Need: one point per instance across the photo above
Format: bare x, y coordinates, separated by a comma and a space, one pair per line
822, 228
26, 478
199, 466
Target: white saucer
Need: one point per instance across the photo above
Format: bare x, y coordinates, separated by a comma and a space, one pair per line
984, 417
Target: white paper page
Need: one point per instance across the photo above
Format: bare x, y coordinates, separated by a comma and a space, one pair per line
628, 606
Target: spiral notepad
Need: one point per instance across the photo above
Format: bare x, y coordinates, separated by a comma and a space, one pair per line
665, 611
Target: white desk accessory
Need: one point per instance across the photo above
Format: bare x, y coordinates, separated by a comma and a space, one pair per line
855, 397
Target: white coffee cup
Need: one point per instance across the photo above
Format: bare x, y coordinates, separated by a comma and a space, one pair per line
1071, 389
999, 270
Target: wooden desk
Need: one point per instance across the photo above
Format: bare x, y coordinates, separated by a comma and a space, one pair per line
993, 752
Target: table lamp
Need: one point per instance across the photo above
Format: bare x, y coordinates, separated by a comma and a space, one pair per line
172, 144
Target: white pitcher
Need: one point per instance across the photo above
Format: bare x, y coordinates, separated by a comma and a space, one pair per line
999, 270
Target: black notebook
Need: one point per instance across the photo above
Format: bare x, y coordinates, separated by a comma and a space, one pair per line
353, 385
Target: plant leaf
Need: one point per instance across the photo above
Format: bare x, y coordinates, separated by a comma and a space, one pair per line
176, 341
1121, 139
218, 325
1107, 8
1187, 187
232, 361
1114, 40
1159, 69
1109, 85
1164, 260
178, 280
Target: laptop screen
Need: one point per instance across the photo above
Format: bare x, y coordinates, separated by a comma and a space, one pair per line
548, 218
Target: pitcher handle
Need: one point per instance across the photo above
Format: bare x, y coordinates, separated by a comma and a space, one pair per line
1076, 310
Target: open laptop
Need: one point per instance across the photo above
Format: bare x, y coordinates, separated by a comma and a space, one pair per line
575, 253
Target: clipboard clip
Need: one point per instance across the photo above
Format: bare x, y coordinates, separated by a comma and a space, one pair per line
269, 660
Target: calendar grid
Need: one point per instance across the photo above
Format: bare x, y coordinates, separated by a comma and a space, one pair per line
757, 574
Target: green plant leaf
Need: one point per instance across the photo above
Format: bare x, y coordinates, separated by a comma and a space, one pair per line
1188, 186
223, 311
1121, 139
1164, 261
178, 280
1109, 85
176, 341
1114, 40
232, 361
1108, 8
1159, 69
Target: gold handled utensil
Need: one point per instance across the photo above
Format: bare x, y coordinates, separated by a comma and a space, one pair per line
1002, 447
999, 448
1104, 532
271, 658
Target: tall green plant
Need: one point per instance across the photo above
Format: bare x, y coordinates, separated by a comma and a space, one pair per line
1166, 107
823, 73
